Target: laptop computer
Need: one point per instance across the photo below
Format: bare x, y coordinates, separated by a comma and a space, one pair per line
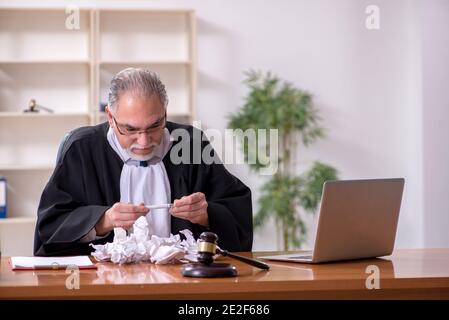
357, 219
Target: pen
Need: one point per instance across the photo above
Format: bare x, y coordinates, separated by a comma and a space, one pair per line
160, 206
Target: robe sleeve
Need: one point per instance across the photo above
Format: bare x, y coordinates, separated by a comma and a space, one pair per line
64, 213
229, 205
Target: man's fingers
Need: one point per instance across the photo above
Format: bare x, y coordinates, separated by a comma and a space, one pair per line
199, 217
189, 215
125, 224
190, 207
191, 199
128, 216
198, 196
125, 207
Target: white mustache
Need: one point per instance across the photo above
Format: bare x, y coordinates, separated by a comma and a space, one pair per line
137, 146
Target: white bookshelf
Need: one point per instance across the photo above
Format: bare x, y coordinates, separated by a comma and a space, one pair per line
44, 115
25, 188
41, 35
41, 167
160, 40
51, 62
144, 35
33, 140
69, 71
16, 236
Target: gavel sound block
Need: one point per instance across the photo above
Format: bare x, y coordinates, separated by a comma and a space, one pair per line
207, 268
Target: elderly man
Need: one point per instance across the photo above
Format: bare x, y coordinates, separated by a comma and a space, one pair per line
108, 174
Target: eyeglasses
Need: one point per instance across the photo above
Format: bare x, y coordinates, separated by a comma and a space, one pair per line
127, 130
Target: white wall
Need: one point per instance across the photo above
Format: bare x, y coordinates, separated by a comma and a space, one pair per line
380, 95
435, 62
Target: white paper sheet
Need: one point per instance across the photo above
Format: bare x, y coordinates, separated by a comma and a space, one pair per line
27, 263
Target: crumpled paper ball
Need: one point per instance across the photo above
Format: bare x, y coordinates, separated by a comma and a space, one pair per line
139, 246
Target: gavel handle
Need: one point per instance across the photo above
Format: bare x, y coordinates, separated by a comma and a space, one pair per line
249, 261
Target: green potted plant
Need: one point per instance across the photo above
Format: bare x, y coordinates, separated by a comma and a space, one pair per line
275, 104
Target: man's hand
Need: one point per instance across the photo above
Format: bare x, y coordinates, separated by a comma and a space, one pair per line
192, 208
120, 215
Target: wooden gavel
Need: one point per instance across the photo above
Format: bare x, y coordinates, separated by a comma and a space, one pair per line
207, 249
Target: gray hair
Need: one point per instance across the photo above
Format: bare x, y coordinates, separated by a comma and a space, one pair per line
140, 81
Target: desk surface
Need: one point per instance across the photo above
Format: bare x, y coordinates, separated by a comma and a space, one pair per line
407, 274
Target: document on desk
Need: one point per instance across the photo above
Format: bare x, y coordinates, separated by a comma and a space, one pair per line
46, 263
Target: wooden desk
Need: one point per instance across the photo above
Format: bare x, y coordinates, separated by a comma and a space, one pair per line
407, 274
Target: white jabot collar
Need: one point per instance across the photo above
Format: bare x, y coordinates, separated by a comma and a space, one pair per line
149, 184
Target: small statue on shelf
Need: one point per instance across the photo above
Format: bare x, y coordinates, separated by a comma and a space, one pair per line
34, 107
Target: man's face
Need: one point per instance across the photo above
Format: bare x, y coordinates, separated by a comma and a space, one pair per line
138, 124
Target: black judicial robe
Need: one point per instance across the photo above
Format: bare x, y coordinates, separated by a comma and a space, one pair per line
86, 183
